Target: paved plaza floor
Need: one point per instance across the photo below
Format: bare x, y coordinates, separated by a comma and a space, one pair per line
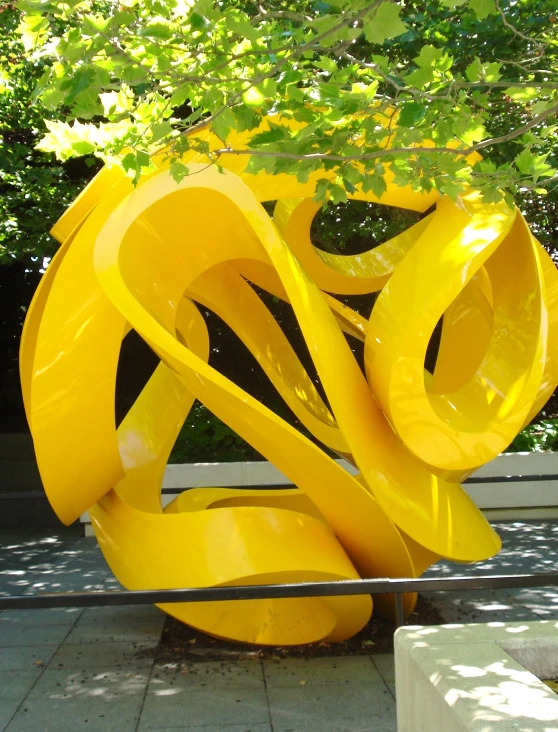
95, 669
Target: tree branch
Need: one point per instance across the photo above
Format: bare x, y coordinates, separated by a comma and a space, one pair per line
537, 119
410, 150
541, 183
537, 41
280, 15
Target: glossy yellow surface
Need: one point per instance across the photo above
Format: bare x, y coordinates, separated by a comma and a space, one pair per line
141, 258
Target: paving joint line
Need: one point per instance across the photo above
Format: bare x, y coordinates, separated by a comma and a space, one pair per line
266, 695
378, 669
43, 668
144, 697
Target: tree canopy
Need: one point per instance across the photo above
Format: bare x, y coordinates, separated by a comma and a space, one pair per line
374, 82
100, 80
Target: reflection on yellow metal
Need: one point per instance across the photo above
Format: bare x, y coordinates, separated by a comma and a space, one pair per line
140, 258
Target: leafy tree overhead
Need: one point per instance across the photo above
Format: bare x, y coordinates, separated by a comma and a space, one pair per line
118, 80
34, 187
131, 76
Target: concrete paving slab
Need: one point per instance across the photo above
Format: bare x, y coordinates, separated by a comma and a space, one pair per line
480, 607
337, 694
24, 658
129, 614
216, 675
142, 623
17, 684
104, 656
149, 632
69, 715
182, 705
8, 708
320, 671
385, 664
542, 601
89, 683
75, 581
67, 616
218, 728
47, 635
13, 583
527, 547
15, 536
346, 708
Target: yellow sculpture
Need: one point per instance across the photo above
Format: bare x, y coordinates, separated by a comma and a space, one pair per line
141, 257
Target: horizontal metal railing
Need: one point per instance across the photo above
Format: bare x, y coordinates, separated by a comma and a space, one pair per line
259, 592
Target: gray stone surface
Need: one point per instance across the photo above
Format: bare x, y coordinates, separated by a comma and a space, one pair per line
173, 700
335, 708
68, 669
104, 655
326, 671
527, 547
24, 658
215, 675
265, 727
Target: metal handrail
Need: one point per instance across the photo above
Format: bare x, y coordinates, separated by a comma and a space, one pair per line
288, 590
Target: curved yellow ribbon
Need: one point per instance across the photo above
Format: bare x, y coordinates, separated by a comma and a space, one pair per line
142, 257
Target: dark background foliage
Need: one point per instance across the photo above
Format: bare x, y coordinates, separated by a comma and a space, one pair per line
35, 189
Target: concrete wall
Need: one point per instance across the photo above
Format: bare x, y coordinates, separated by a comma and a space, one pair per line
22, 498
23, 502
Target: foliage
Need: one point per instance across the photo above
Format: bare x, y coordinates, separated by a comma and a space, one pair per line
132, 76
34, 188
205, 439
120, 79
353, 227
540, 437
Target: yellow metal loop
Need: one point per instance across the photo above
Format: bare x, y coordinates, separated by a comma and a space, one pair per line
142, 258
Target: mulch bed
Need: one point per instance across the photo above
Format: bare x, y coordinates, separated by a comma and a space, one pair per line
180, 642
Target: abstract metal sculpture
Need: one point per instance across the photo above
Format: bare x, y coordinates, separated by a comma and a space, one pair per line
139, 258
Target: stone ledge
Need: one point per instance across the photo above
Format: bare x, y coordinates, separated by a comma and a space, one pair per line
477, 678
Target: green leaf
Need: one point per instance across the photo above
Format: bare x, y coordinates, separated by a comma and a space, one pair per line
33, 30
483, 8
475, 131
160, 130
375, 182
420, 77
253, 97
411, 114
326, 64
533, 165
198, 21
477, 71
156, 30
178, 170
522, 93
295, 93
337, 194
385, 24
274, 134
83, 147
474, 71
223, 124
246, 118
492, 71
428, 56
